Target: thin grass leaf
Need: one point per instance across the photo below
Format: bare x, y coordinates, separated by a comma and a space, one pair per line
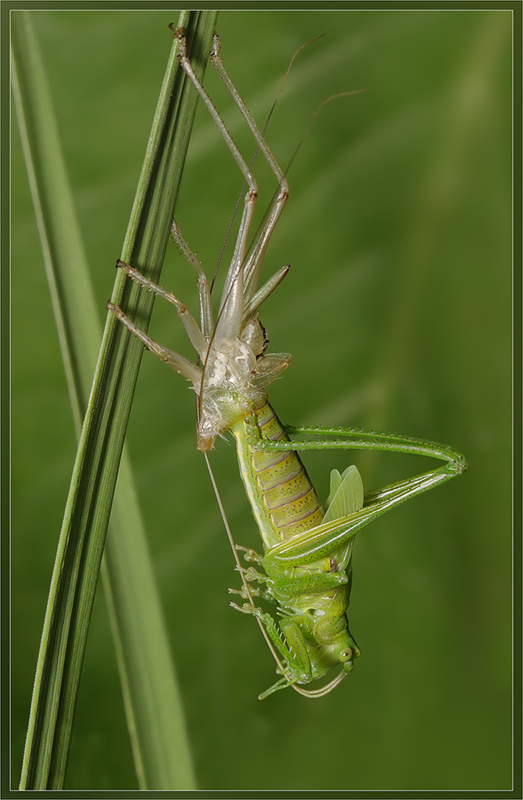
151, 698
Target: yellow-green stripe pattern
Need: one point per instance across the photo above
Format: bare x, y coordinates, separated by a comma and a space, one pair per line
281, 494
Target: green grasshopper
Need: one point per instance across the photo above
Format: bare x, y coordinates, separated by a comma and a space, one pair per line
305, 569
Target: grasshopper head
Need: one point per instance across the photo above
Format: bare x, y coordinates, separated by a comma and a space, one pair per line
343, 653
347, 656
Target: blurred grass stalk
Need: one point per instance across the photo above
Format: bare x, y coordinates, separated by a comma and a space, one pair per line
151, 697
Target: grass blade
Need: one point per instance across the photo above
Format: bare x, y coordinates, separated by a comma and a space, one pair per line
162, 758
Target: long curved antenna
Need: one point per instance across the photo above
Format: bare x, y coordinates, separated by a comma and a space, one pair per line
316, 693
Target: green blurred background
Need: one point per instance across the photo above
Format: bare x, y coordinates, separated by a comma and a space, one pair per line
397, 311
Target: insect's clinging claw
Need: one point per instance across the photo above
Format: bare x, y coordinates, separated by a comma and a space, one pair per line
244, 592
251, 574
178, 33
246, 608
249, 554
216, 46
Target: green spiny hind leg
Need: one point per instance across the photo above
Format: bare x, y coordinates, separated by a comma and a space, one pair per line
360, 439
325, 538
289, 643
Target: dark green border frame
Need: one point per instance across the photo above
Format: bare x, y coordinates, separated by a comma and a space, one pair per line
516, 6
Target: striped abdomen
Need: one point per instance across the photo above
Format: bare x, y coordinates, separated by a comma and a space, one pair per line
283, 499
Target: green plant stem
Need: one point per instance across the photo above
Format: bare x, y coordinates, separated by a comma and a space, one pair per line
151, 698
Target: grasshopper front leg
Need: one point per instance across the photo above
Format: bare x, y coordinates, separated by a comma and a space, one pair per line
289, 643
